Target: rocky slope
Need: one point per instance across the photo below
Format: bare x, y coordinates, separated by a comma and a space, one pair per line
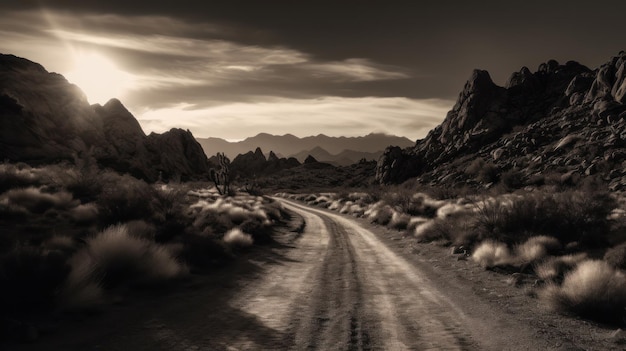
562, 123
45, 119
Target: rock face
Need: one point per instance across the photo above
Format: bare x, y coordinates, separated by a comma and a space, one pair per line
559, 120
45, 119
253, 164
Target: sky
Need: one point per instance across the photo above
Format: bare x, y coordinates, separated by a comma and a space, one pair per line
233, 69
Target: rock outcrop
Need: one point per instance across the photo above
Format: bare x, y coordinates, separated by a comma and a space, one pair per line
254, 164
45, 119
559, 120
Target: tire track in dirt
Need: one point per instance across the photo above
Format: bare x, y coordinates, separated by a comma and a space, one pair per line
402, 313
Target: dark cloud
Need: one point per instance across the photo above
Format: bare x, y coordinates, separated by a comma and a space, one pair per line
207, 53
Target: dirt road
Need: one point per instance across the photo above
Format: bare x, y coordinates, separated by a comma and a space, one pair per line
335, 286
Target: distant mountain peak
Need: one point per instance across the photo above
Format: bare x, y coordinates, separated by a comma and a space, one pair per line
324, 148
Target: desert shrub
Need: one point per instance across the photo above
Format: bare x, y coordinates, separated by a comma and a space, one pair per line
483, 171
85, 184
12, 176
535, 248
168, 203
399, 220
593, 290
237, 238
37, 201
453, 210
30, 278
124, 199
555, 268
381, 215
488, 173
475, 167
114, 257
568, 216
512, 179
491, 253
414, 222
428, 231
335, 205
85, 213
454, 230
212, 221
616, 256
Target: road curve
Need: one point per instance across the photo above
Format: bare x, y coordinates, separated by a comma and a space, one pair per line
335, 286
366, 297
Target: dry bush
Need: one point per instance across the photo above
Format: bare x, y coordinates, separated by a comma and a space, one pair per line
13, 176
488, 173
569, 216
490, 254
535, 249
85, 184
555, 268
399, 220
428, 231
125, 198
616, 256
237, 238
35, 200
380, 215
85, 213
512, 179
114, 257
593, 290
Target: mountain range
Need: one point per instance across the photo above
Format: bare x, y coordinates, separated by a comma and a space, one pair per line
563, 124
333, 150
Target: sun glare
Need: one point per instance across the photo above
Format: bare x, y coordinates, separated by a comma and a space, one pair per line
99, 78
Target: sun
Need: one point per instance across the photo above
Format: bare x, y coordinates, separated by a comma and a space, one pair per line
99, 78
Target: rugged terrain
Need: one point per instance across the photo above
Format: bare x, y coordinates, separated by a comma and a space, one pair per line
45, 119
559, 124
334, 283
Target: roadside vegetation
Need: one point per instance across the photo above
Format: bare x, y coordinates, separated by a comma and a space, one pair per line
75, 238
572, 241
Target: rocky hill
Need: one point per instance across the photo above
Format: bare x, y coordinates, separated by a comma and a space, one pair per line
335, 150
563, 123
45, 119
254, 164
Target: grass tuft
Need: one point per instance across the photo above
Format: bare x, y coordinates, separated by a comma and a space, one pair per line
235, 237
490, 254
593, 290
115, 257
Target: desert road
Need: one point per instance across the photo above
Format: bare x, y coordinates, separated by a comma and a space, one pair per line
334, 286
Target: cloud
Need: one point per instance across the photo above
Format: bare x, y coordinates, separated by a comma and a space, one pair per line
166, 55
333, 115
356, 69
189, 76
